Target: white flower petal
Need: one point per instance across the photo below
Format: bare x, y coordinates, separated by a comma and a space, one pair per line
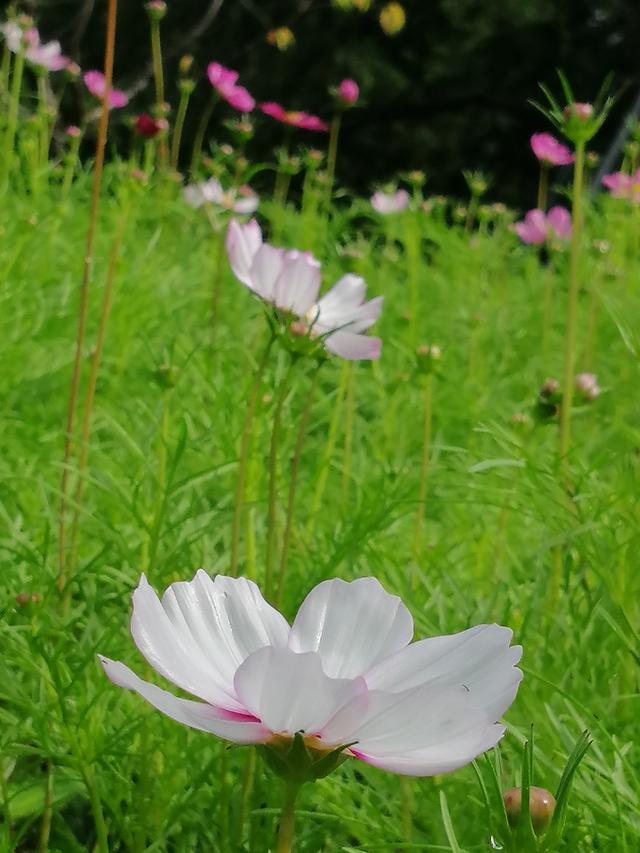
247, 204
352, 626
423, 731
202, 631
193, 195
242, 242
197, 715
289, 692
212, 191
479, 658
353, 347
297, 286
346, 295
266, 267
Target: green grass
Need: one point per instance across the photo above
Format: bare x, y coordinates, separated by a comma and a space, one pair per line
501, 539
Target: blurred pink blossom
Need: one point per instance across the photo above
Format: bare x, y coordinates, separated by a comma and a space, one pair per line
223, 81
242, 200
47, 55
94, 81
549, 151
622, 185
390, 202
290, 281
296, 118
538, 227
348, 92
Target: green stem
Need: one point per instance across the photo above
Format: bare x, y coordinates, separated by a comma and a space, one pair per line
293, 483
84, 290
412, 245
287, 821
70, 163
5, 66
424, 465
200, 132
406, 796
47, 812
12, 120
272, 518
245, 443
44, 120
348, 435
216, 286
332, 153
547, 302
158, 74
178, 128
245, 794
96, 808
161, 479
543, 186
592, 328
572, 305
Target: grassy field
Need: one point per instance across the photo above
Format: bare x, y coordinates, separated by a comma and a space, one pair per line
504, 533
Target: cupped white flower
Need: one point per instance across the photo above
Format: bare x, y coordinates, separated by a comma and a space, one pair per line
290, 280
344, 674
386, 203
242, 200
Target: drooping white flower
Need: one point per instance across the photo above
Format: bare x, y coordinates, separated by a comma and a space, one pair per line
242, 200
345, 672
290, 280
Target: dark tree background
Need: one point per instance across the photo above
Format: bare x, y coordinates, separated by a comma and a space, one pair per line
449, 92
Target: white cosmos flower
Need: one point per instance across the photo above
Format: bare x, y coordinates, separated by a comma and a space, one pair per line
290, 280
345, 672
241, 201
390, 202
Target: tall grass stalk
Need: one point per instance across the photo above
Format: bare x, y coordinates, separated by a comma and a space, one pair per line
334, 134
112, 9
198, 139
12, 121
176, 139
424, 470
543, 186
158, 76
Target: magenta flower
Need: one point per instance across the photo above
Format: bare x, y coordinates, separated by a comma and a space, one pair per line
223, 81
549, 151
94, 81
305, 121
386, 203
622, 185
538, 227
345, 675
348, 92
290, 281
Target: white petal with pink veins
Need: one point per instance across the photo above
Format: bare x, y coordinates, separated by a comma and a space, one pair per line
351, 625
202, 630
479, 658
242, 243
197, 715
290, 692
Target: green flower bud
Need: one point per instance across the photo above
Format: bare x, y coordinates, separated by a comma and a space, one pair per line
541, 807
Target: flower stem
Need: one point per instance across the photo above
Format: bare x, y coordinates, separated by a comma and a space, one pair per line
547, 302
70, 163
200, 132
412, 246
272, 520
572, 305
90, 396
178, 128
245, 443
348, 435
216, 285
47, 813
44, 120
102, 844
332, 153
84, 290
245, 794
287, 820
158, 74
424, 467
543, 186
12, 120
293, 482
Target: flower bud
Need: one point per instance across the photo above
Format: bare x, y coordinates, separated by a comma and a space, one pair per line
586, 385
156, 9
591, 159
428, 358
348, 92
550, 390
186, 86
185, 65
392, 19
361, 5
281, 37
579, 110
72, 71
459, 213
147, 126
417, 178
541, 807
73, 131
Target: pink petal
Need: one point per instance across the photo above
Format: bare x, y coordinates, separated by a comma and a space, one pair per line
298, 284
242, 243
559, 219
353, 347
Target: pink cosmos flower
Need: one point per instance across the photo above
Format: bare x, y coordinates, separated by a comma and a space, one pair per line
94, 81
622, 185
290, 280
46, 55
242, 200
549, 151
305, 121
345, 672
538, 227
348, 92
390, 202
223, 81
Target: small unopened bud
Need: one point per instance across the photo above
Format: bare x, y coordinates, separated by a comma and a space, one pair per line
541, 807
550, 390
73, 131
226, 149
281, 37
591, 159
185, 65
72, 71
416, 177
428, 357
392, 18
579, 110
459, 213
499, 208
148, 127
299, 329
348, 92
24, 598
186, 86
520, 419
166, 376
601, 246
156, 9
586, 385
